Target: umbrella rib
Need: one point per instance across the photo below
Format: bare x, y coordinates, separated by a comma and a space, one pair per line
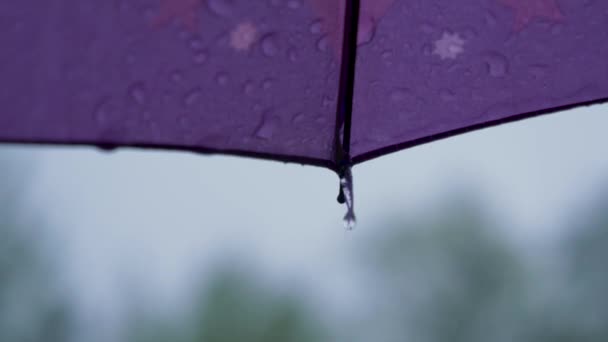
347, 84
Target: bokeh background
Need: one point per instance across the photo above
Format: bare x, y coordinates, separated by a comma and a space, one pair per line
496, 235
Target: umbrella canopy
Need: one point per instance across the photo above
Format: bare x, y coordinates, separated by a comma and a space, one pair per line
329, 83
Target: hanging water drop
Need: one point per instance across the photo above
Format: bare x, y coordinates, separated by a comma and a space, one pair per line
347, 197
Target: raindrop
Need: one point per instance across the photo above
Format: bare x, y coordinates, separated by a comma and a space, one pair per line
248, 88
447, 95
200, 57
196, 44
101, 112
221, 8
399, 94
270, 45
294, 4
222, 78
137, 93
176, 76
316, 27
267, 83
538, 70
292, 54
367, 31
327, 101
386, 56
298, 118
497, 64
268, 127
323, 43
346, 194
192, 96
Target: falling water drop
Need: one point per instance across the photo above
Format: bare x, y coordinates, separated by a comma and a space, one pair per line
346, 193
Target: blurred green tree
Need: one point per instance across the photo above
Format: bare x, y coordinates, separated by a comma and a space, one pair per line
452, 277
234, 307
31, 306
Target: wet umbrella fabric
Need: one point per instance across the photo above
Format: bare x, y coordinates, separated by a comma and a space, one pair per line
290, 80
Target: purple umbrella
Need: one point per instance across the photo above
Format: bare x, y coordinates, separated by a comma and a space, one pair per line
291, 80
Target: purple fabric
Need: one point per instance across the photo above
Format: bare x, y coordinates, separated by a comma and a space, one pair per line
261, 78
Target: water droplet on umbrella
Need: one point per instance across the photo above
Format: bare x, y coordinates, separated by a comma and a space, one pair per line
192, 96
399, 94
323, 43
447, 95
270, 46
316, 27
222, 78
196, 44
130, 59
367, 30
221, 8
176, 76
497, 64
137, 93
248, 87
294, 4
267, 127
292, 54
538, 71
101, 112
267, 83
298, 118
200, 57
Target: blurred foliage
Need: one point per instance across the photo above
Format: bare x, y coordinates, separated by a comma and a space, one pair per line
452, 277
31, 308
235, 308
